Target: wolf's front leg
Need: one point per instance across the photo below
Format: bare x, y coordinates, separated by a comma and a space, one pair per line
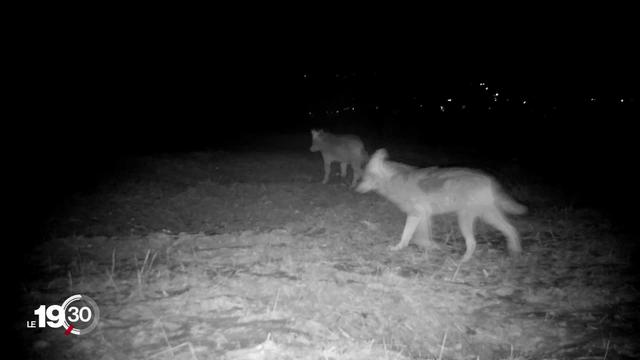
423, 236
327, 171
409, 228
354, 182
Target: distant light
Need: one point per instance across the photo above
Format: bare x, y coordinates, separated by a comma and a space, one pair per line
337, 111
464, 107
592, 99
305, 76
449, 99
441, 108
496, 94
310, 113
481, 84
621, 100
524, 102
377, 107
489, 107
495, 99
421, 106
486, 88
353, 108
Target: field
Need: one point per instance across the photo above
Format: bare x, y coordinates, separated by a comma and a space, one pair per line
244, 254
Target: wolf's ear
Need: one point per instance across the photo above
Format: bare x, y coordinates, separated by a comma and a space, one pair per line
380, 155
314, 133
376, 163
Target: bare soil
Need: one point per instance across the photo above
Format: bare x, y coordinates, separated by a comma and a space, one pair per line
246, 255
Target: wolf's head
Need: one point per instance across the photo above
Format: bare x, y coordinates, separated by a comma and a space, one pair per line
316, 139
376, 173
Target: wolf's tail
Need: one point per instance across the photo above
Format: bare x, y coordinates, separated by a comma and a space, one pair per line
507, 204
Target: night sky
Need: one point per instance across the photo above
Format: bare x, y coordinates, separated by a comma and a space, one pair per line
560, 111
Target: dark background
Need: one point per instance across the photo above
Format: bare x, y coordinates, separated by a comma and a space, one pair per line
82, 95
87, 102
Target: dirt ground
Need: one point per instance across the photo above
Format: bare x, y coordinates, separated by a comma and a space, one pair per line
246, 255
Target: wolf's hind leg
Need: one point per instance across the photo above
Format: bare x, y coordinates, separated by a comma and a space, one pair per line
357, 173
466, 220
409, 228
495, 218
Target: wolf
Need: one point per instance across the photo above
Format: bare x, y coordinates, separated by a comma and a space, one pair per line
421, 193
345, 149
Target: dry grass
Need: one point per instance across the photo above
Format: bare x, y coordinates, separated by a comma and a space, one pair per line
247, 256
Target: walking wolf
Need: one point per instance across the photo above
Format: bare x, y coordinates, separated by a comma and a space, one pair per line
421, 193
344, 149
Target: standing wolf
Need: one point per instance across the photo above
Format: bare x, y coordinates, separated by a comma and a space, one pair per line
345, 149
421, 193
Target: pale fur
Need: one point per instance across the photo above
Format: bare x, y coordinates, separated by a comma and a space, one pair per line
344, 149
421, 193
